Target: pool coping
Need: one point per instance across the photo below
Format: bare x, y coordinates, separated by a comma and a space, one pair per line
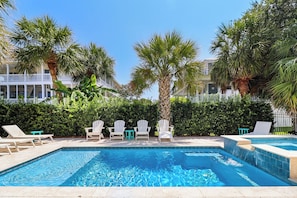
31, 153
244, 142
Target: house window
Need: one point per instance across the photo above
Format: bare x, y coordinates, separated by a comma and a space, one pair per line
46, 71
47, 93
209, 67
21, 91
30, 91
12, 91
212, 89
3, 91
38, 91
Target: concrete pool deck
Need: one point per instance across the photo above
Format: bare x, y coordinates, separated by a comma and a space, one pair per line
7, 161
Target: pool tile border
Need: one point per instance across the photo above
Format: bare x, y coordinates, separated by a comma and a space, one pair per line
27, 154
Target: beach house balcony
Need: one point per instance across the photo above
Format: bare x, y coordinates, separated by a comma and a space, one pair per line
34, 87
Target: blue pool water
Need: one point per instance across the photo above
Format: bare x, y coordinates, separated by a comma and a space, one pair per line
137, 167
289, 144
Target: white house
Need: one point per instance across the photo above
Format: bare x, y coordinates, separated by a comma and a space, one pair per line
207, 87
33, 87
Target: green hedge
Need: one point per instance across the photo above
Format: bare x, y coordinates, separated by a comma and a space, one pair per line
219, 118
188, 118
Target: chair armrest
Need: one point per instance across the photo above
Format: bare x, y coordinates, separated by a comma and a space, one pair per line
135, 129
148, 129
88, 129
171, 128
111, 129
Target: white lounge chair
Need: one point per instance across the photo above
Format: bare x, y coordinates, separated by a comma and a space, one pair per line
15, 132
6, 146
95, 132
165, 131
261, 128
16, 142
117, 131
142, 130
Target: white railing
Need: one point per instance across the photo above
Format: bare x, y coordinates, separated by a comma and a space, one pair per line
10, 79
214, 97
45, 78
19, 78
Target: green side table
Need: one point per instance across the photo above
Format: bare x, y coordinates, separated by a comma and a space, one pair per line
36, 132
242, 131
129, 134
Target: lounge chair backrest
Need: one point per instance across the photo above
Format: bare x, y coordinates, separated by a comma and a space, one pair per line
142, 125
119, 126
163, 125
13, 130
262, 128
97, 126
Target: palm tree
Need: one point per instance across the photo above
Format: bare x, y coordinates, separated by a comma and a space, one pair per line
220, 72
237, 49
41, 41
4, 42
283, 85
164, 60
96, 62
221, 76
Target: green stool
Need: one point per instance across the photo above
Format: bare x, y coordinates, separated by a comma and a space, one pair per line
129, 134
242, 131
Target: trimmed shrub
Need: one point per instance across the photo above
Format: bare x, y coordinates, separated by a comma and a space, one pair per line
189, 119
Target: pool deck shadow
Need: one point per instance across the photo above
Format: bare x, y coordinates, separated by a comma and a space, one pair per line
27, 153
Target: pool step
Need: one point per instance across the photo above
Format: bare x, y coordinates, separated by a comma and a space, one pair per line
247, 147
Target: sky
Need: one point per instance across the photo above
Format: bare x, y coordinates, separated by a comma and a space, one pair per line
117, 25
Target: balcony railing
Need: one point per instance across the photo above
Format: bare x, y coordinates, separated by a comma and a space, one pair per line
41, 78
19, 78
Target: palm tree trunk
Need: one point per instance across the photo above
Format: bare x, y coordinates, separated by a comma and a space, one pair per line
164, 97
52, 66
243, 86
223, 89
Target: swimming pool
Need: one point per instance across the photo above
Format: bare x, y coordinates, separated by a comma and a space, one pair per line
287, 143
187, 166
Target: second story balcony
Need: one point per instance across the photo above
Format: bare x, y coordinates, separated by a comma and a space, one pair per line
25, 79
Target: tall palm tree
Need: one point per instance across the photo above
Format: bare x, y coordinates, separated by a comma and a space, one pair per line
220, 75
5, 5
220, 72
165, 60
237, 49
283, 85
42, 41
96, 62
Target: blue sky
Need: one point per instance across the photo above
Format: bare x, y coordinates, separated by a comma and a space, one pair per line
117, 25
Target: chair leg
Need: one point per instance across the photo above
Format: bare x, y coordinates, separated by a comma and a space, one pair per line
8, 149
40, 140
33, 143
